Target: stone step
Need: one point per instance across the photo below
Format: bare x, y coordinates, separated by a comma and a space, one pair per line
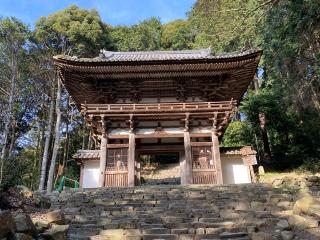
174, 212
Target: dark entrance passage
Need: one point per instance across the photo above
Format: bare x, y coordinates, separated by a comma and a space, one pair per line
160, 168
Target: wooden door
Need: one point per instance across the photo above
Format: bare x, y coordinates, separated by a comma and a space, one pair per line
203, 166
117, 167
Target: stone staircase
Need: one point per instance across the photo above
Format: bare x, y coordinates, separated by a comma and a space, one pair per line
237, 212
168, 174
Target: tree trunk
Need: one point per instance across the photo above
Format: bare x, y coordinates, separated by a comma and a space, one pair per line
264, 134
13, 138
10, 112
41, 147
66, 145
56, 140
44, 164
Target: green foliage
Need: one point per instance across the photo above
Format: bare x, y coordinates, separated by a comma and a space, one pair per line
13, 171
291, 43
239, 133
225, 25
310, 165
145, 36
177, 35
292, 140
73, 31
13, 31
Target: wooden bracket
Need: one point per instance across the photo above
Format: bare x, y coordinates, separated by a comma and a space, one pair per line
186, 122
131, 123
103, 125
214, 120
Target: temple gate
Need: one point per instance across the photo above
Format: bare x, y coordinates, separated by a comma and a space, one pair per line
178, 101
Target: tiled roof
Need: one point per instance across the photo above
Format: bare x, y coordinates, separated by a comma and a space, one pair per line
109, 56
95, 154
86, 154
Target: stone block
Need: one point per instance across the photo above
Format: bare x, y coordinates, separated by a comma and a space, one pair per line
24, 224
179, 231
283, 224
7, 225
172, 219
160, 236
287, 235
261, 236
57, 232
56, 216
156, 231
231, 235
22, 236
186, 237
303, 221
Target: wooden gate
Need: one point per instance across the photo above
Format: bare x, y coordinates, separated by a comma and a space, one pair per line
203, 166
117, 167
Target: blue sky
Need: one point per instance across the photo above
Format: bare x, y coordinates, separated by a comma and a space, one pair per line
114, 12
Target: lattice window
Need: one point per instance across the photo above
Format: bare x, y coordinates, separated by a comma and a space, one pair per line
202, 158
117, 159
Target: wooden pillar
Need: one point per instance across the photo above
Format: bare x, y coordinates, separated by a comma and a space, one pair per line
216, 156
131, 153
252, 175
81, 174
103, 159
186, 176
131, 160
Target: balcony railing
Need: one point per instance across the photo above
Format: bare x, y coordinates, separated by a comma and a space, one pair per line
158, 107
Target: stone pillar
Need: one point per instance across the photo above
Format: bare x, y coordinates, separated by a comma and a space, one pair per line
216, 156
131, 160
103, 159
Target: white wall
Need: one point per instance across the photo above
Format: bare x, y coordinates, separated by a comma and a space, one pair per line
234, 171
90, 174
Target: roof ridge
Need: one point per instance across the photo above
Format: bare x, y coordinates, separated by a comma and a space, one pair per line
203, 51
113, 56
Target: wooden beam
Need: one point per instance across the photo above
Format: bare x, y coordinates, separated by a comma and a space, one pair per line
159, 135
131, 160
160, 148
216, 156
200, 144
118, 145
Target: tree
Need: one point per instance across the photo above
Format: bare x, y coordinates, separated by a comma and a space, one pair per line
56, 144
145, 36
70, 31
228, 25
177, 35
73, 31
13, 35
47, 143
238, 133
